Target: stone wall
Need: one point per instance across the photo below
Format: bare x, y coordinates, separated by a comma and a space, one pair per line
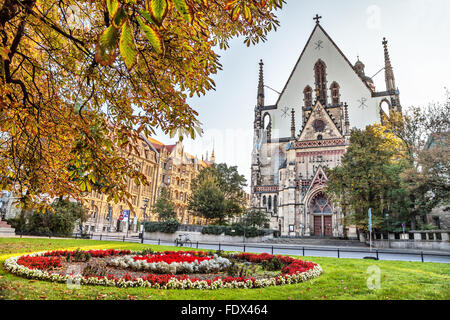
422, 240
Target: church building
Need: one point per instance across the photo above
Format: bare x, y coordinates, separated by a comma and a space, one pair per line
307, 130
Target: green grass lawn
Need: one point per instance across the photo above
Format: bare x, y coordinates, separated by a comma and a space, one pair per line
342, 279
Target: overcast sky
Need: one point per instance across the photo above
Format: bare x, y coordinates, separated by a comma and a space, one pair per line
419, 45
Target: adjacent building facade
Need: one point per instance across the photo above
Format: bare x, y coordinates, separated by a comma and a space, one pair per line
165, 166
307, 130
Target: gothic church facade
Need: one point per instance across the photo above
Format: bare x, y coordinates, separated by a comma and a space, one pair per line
307, 130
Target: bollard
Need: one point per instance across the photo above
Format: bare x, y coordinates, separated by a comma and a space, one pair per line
244, 247
123, 238
142, 239
377, 256
272, 250
303, 251
159, 242
421, 255
338, 253
219, 246
100, 236
197, 244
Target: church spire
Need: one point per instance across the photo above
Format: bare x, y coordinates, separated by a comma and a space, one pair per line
213, 156
390, 80
261, 85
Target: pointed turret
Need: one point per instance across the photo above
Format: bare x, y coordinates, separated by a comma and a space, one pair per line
261, 85
293, 124
347, 120
213, 156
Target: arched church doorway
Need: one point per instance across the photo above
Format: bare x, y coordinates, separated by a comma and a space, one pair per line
322, 211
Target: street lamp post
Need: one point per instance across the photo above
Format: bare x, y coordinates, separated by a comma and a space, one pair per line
387, 228
109, 216
144, 208
245, 225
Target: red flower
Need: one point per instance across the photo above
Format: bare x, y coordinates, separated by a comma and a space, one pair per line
42, 263
171, 257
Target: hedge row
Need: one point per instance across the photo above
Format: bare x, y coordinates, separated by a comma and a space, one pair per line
236, 229
169, 226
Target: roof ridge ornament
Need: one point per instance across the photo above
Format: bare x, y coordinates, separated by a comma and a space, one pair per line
317, 18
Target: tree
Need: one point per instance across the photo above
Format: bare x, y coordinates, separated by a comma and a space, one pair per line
427, 183
425, 134
81, 80
257, 218
164, 207
368, 177
207, 199
231, 185
60, 223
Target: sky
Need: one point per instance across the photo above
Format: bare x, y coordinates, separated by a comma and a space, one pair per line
419, 47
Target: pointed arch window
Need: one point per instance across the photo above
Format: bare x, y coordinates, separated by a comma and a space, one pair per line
320, 69
320, 204
335, 95
308, 96
270, 203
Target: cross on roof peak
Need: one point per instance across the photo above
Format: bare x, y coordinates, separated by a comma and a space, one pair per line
317, 18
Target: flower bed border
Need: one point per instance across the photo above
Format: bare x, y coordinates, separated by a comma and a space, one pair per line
296, 273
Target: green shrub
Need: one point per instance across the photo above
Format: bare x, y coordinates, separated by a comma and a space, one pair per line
273, 265
217, 230
236, 229
60, 222
169, 226
79, 256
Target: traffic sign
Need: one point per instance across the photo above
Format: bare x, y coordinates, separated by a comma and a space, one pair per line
125, 214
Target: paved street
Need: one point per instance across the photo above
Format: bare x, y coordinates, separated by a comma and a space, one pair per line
313, 251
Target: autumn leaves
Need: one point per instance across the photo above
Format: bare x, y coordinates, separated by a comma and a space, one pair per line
150, 18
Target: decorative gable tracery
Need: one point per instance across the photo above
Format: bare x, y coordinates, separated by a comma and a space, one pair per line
319, 127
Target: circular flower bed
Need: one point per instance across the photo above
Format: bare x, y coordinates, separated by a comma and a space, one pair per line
164, 270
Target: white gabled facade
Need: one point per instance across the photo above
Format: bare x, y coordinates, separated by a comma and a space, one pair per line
307, 130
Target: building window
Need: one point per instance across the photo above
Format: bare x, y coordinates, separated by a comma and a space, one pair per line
320, 205
270, 203
264, 201
319, 125
321, 81
335, 96
308, 96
